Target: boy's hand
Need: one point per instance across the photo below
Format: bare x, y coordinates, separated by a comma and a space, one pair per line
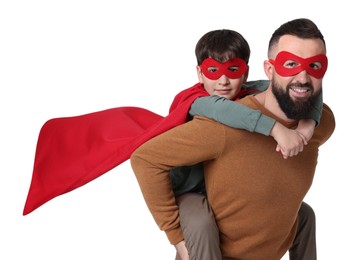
290, 142
306, 128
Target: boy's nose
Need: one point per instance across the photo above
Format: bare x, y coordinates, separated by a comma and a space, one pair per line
223, 80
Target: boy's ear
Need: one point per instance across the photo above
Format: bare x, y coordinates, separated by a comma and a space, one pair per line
199, 74
245, 76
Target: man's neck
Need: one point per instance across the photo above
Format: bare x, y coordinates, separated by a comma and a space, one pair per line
268, 100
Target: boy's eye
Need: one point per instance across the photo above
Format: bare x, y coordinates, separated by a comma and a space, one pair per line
234, 68
213, 69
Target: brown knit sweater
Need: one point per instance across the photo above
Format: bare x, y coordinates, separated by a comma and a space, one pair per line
254, 193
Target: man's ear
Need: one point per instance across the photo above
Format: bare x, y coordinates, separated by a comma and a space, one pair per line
269, 69
199, 74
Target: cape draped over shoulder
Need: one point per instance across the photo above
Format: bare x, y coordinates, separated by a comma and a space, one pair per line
72, 151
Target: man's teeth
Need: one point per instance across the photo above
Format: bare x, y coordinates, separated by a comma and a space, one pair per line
299, 89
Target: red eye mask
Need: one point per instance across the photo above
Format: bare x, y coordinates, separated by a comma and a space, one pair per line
316, 66
233, 69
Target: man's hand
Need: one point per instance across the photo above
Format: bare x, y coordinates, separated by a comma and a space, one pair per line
182, 250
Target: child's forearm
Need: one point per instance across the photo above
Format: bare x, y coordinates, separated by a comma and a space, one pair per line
315, 113
232, 114
289, 141
306, 127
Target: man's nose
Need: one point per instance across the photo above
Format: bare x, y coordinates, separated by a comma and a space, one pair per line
303, 77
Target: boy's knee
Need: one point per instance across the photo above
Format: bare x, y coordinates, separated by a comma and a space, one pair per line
196, 215
203, 224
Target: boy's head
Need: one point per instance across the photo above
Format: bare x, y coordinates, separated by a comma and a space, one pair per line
222, 45
222, 57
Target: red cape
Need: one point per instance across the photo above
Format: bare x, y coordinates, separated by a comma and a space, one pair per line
73, 151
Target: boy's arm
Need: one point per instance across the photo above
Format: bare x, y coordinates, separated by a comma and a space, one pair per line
232, 114
256, 85
306, 127
290, 142
316, 112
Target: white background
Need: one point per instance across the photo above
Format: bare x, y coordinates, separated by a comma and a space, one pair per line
70, 57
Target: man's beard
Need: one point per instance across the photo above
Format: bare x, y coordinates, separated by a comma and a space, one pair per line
298, 109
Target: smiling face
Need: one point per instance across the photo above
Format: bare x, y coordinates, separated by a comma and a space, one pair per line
296, 77
223, 79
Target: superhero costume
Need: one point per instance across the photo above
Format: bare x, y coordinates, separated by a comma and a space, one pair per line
72, 151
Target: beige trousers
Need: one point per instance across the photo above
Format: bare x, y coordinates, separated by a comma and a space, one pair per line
202, 235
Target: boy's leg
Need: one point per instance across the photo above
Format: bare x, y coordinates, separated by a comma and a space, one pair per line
304, 246
199, 227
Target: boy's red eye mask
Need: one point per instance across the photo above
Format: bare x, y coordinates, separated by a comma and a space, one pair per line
316, 65
233, 69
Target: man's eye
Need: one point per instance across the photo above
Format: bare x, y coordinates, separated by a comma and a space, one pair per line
291, 64
212, 69
234, 69
315, 65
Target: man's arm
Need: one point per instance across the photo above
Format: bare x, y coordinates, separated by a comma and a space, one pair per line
196, 141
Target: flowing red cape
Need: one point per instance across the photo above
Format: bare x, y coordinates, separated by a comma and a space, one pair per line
72, 151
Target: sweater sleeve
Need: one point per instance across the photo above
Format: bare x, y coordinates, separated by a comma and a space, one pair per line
256, 85
232, 114
187, 144
316, 112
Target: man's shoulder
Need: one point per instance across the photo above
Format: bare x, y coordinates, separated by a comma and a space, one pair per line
327, 123
248, 101
328, 114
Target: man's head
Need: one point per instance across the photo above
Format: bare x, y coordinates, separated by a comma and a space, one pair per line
296, 66
222, 57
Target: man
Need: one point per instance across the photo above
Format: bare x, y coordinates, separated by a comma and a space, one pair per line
222, 57
255, 195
